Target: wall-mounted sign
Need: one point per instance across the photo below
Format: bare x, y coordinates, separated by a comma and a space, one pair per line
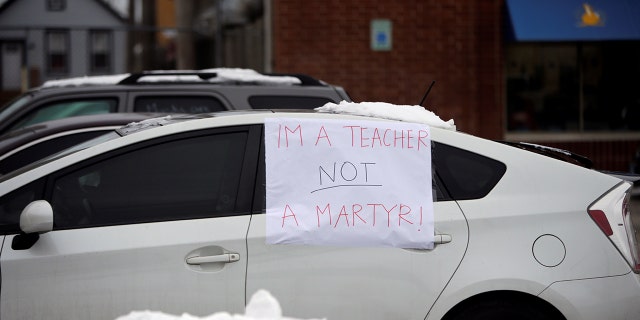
381, 35
590, 17
348, 183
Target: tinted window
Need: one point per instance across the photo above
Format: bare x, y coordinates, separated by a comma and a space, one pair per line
466, 175
287, 102
175, 104
43, 149
66, 109
195, 177
11, 206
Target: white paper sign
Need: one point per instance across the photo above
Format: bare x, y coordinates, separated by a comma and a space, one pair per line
348, 183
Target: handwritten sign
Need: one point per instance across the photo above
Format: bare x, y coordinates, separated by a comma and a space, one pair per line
348, 183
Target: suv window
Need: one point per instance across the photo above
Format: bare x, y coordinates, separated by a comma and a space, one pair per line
195, 177
466, 175
67, 108
287, 102
177, 104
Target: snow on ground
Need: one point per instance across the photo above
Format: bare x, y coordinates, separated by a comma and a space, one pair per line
262, 306
390, 111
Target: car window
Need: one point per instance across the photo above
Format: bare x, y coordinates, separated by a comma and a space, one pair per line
287, 102
177, 104
195, 177
7, 110
464, 174
67, 108
43, 149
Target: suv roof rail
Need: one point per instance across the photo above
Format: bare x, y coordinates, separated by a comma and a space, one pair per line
134, 77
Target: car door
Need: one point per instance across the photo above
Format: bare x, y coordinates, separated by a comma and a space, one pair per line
156, 226
356, 282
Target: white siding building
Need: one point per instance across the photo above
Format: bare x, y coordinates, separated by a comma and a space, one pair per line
49, 39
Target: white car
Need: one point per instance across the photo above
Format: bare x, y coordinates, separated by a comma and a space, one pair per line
170, 215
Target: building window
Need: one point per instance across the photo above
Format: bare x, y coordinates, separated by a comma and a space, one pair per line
573, 87
100, 45
57, 46
56, 5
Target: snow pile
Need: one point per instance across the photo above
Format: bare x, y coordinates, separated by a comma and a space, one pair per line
390, 111
262, 306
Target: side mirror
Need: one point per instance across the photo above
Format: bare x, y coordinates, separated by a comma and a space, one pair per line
37, 217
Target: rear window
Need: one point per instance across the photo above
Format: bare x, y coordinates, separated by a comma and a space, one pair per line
464, 174
287, 102
174, 104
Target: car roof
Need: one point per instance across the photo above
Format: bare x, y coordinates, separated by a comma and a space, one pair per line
17, 138
371, 110
217, 76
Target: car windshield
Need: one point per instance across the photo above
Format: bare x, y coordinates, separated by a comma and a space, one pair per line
87, 144
14, 105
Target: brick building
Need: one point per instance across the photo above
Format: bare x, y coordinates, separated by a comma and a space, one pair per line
455, 43
479, 57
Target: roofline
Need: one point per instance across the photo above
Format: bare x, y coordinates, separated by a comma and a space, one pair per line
102, 3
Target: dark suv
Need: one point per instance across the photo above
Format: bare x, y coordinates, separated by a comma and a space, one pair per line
167, 92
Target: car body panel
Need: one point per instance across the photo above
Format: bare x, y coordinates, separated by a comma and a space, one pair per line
115, 270
397, 283
518, 211
597, 298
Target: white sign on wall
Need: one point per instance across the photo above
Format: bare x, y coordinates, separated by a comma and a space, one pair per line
348, 183
381, 35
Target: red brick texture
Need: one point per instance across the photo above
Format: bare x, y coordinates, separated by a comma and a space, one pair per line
456, 43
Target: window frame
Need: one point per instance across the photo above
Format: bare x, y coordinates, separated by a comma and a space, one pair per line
585, 65
65, 54
56, 5
246, 182
92, 53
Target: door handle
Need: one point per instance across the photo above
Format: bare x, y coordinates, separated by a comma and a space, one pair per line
225, 257
442, 238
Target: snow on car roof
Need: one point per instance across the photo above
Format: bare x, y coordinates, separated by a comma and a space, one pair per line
237, 75
409, 113
85, 81
222, 75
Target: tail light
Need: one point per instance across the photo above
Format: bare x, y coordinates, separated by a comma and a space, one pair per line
631, 231
612, 214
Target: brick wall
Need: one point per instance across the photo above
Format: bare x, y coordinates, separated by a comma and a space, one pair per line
456, 43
